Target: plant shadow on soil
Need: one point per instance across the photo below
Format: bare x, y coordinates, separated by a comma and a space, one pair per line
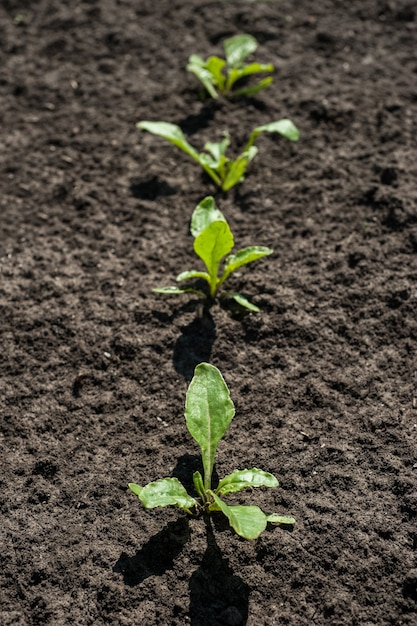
156, 556
194, 345
151, 188
195, 122
217, 594
196, 341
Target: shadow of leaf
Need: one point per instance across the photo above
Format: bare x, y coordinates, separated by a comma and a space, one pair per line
217, 595
194, 345
196, 122
156, 556
186, 465
151, 189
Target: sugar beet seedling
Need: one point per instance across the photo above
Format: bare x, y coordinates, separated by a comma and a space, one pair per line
208, 413
213, 240
219, 76
224, 171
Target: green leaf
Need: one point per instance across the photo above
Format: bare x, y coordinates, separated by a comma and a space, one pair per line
164, 492
273, 518
136, 489
242, 301
217, 150
193, 274
215, 66
208, 413
197, 66
196, 59
247, 521
204, 214
251, 90
211, 245
253, 68
284, 127
241, 479
238, 48
172, 133
211, 166
207, 161
198, 484
243, 257
173, 290
237, 168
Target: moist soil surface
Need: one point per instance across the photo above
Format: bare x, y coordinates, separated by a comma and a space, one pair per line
95, 366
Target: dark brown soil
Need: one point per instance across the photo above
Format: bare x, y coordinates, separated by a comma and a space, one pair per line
95, 367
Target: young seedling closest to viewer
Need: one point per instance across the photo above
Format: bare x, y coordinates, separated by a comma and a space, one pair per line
208, 413
219, 76
225, 172
213, 240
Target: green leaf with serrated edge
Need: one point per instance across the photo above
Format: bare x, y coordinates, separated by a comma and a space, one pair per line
198, 484
243, 257
241, 479
247, 521
251, 90
193, 274
208, 413
248, 70
244, 302
238, 48
273, 518
173, 290
170, 132
164, 492
211, 245
284, 127
204, 214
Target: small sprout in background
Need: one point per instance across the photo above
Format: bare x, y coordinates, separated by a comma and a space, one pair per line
213, 240
19, 19
219, 76
224, 171
208, 413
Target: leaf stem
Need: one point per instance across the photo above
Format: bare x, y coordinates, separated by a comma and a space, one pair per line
208, 171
